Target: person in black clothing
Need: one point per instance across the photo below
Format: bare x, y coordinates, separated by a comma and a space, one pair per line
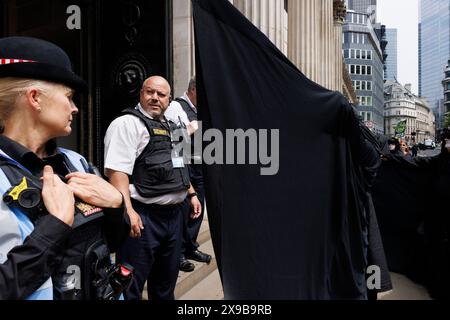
416, 233
54, 218
436, 222
189, 250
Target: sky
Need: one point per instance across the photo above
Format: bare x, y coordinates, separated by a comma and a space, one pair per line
404, 16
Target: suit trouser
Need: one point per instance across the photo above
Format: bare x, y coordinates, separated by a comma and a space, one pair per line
155, 255
192, 226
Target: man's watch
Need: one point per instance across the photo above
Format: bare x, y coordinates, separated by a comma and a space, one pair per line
191, 195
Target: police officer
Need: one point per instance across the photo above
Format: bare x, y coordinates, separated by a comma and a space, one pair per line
184, 109
53, 229
141, 162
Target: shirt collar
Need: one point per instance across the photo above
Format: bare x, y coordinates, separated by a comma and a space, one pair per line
28, 158
145, 113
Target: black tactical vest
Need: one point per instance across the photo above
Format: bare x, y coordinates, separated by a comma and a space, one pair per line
86, 251
192, 115
153, 173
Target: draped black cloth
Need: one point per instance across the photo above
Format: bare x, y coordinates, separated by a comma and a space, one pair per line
410, 198
302, 233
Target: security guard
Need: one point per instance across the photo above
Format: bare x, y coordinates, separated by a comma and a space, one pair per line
141, 162
184, 109
57, 220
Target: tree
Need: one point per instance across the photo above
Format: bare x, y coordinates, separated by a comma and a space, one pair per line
447, 120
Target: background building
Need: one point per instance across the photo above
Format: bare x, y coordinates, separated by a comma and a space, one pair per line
446, 84
120, 43
309, 32
364, 59
368, 7
400, 105
434, 51
392, 56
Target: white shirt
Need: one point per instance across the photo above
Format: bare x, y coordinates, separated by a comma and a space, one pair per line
175, 112
125, 140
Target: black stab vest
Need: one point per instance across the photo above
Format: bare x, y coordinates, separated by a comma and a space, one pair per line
192, 116
153, 174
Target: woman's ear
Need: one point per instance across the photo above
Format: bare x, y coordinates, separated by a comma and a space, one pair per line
33, 97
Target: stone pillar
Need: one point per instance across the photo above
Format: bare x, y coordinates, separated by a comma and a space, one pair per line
183, 46
268, 16
315, 41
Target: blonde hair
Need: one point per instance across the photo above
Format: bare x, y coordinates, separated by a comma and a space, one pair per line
10, 91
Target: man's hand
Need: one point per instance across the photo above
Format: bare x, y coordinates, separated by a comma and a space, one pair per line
196, 207
58, 197
94, 190
136, 223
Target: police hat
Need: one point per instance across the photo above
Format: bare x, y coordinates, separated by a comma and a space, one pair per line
31, 58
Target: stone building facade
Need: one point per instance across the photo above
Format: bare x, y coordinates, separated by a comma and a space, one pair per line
308, 32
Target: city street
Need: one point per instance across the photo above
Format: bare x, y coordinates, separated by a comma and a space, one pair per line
429, 153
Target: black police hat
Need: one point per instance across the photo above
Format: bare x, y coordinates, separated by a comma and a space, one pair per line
32, 58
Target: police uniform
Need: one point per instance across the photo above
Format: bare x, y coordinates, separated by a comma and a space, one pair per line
38, 252
191, 226
141, 147
34, 253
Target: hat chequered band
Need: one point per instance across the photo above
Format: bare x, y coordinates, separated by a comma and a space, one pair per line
11, 61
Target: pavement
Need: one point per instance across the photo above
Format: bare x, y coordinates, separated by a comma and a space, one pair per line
404, 289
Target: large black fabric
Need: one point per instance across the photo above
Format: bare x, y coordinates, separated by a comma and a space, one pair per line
302, 233
414, 221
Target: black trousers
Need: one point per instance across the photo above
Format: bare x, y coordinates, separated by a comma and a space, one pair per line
155, 255
192, 226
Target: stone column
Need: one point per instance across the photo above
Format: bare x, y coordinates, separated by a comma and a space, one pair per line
268, 16
183, 46
315, 41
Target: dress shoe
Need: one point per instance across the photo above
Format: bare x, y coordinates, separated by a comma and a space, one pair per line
199, 256
186, 265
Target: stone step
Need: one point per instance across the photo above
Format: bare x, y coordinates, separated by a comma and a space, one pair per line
187, 280
405, 289
209, 288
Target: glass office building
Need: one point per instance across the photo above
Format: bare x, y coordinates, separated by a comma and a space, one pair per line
364, 6
391, 51
364, 60
434, 52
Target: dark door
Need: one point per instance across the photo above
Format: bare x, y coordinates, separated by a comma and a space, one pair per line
46, 19
135, 45
120, 43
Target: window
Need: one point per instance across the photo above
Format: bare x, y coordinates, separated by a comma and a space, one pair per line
369, 70
369, 86
363, 54
358, 54
352, 53
358, 69
369, 54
